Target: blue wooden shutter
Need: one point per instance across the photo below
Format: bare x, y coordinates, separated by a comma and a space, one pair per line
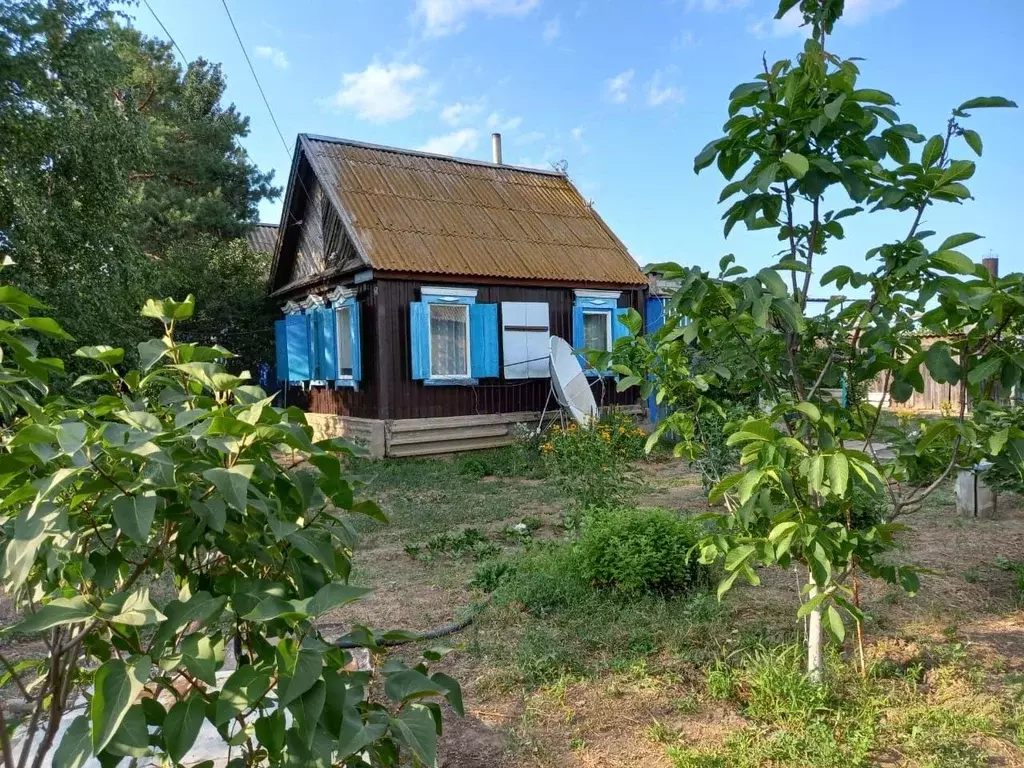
577, 325
419, 336
312, 344
296, 331
327, 336
280, 351
619, 329
357, 341
483, 340
655, 313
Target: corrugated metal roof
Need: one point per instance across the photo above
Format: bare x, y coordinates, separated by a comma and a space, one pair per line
421, 213
263, 237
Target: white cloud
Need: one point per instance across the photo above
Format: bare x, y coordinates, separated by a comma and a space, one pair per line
496, 122
859, 11
446, 17
789, 24
382, 93
274, 55
660, 92
712, 6
684, 39
577, 133
530, 137
577, 136
458, 142
617, 88
552, 29
461, 112
856, 12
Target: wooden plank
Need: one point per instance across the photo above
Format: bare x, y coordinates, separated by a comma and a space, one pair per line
447, 422
449, 446
455, 433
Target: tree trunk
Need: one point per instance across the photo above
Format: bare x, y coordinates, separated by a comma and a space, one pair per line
815, 669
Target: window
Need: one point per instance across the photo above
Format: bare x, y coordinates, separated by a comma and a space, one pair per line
344, 319
597, 331
449, 341
525, 335
453, 340
596, 324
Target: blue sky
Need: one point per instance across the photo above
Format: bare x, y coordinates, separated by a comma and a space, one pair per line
625, 91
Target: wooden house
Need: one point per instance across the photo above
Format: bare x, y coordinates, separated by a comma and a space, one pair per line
418, 293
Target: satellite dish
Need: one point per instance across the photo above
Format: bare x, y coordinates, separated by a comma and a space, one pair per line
572, 390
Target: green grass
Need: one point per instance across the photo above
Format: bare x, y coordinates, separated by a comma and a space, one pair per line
427, 496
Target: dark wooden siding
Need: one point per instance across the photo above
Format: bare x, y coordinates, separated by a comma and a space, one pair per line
396, 395
346, 401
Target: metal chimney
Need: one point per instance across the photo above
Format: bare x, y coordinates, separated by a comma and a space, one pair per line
496, 147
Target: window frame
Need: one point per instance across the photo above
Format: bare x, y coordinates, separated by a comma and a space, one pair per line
607, 316
446, 302
349, 306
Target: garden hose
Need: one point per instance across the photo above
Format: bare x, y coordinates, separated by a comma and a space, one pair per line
443, 631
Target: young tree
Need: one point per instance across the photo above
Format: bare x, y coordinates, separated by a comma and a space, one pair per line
183, 474
808, 151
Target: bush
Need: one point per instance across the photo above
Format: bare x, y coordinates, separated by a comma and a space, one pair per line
592, 464
546, 579
641, 550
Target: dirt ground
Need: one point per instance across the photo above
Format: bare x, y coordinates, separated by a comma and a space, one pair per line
607, 721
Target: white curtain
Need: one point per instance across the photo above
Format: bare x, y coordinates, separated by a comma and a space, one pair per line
345, 341
595, 330
449, 355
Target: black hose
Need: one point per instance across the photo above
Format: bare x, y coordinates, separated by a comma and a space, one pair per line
447, 629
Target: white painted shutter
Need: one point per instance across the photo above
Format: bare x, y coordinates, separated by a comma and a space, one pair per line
525, 329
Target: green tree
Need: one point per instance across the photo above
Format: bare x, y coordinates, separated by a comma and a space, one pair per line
173, 476
123, 176
806, 151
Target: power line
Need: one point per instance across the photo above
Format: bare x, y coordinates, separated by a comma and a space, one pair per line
252, 69
169, 37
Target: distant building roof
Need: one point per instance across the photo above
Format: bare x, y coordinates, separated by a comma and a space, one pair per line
263, 237
414, 212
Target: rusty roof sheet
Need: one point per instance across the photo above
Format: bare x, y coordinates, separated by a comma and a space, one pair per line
420, 213
263, 237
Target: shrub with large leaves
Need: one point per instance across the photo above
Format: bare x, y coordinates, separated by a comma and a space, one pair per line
149, 530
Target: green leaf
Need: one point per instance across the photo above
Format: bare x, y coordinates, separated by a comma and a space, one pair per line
137, 610
953, 262
706, 156
76, 746
115, 688
454, 694
986, 102
274, 607
872, 96
835, 624
414, 727
334, 595
298, 669
233, 483
723, 486
941, 365
71, 436
997, 441
411, 684
200, 607
201, 655
987, 369
151, 351
931, 434
726, 584
973, 139
242, 690
838, 473
810, 410
738, 556
103, 354
932, 151
134, 515
307, 710
773, 282
169, 309
955, 241
833, 108
796, 163
141, 420
816, 473
63, 610
182, 725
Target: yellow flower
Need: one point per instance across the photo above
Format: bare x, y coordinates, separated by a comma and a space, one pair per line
547, 447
